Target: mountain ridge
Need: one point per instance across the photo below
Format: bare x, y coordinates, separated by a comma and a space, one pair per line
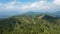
55, 14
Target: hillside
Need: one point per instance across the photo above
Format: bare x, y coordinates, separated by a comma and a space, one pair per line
36, 24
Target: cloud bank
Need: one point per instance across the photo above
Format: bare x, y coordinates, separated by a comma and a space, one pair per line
42, 5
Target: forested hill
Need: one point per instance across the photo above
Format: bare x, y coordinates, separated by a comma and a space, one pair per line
36, 24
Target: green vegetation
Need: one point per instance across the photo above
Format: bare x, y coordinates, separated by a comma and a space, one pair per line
36, 24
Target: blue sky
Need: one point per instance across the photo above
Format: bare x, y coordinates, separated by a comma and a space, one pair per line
24, 1
29, 5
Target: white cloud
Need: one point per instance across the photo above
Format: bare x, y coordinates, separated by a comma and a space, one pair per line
10, 5
36, 6
57, 2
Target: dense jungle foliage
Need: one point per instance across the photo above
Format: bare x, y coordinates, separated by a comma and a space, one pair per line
36, 24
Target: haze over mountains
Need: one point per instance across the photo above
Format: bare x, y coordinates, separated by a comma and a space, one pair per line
9, 14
